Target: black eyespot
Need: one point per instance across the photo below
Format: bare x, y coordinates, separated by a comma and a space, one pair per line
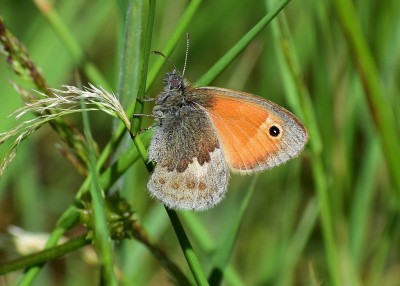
274, 131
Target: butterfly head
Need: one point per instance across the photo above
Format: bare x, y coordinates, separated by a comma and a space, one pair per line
174, 81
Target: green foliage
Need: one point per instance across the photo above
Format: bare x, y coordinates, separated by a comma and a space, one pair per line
328, 217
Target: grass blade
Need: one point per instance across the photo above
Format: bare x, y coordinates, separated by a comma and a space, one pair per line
225, 249
219, 66
173, 39
379, 106
296, 91
187, 249
102, 239
65, 35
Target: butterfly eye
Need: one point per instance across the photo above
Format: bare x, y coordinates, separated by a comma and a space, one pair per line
274, 131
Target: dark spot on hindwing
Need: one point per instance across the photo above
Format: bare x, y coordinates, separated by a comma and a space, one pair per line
175, 185
202, 186
182, 165
190, 184
204, 157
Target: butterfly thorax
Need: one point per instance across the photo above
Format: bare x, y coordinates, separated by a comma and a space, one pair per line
178, 96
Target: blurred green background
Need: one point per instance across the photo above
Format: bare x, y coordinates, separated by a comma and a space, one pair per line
330, 216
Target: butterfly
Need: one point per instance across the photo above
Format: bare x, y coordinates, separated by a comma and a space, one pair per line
203, 132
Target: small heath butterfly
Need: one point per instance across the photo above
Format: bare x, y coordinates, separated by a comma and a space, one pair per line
202, 132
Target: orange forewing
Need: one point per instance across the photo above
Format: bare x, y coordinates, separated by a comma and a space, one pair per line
242, 127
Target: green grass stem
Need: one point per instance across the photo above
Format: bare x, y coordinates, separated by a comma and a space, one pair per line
101, 233
294, 86
44, 255
224, 61
380, 107
187, 249
60, 28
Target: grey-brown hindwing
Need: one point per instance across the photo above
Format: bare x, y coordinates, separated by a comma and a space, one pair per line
191, 172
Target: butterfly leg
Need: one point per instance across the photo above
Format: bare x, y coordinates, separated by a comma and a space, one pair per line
145, 99
139, 115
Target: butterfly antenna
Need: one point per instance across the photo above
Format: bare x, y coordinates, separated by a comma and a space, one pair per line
186, 53
168, 60
165, 57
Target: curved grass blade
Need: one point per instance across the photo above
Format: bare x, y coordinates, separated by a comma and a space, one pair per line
187, 249
70, 43
219, 66
225, 249
380, 108
298, 94
102, 239
173, 39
